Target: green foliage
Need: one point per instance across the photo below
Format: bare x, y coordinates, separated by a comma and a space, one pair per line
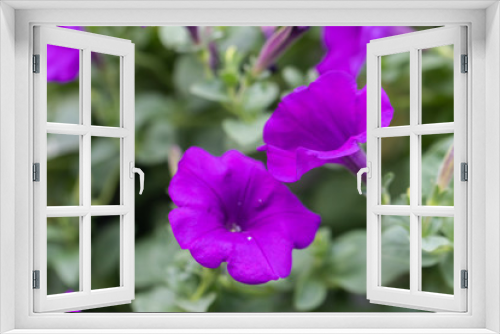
181, 100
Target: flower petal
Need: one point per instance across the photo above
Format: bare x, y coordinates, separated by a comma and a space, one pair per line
346, 46
316, 117
188, 225
256, 262
63, 64
214, 248
322, 123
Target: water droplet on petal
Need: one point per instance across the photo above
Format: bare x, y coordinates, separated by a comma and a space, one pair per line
249, 238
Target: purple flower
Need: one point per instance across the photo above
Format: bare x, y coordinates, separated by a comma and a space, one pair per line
276, 45
213, 56
346, 46
63, 64
195, 34
322, 123
230, 209
268, 31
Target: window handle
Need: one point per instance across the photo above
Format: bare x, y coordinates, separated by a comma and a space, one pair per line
141, 175
368, 172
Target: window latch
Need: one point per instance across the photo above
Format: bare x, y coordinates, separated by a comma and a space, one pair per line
368, 171
141, 175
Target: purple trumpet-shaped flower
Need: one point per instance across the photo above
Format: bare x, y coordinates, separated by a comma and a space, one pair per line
268, 31
195, 34
276, 45
322, 123
346, 46
230, 209
63, 64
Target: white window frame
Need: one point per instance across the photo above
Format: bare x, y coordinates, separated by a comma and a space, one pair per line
85, 43
16, 21
413, 44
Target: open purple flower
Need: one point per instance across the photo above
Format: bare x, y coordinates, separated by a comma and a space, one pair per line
230, 209
319, 124
346, 46
63, 64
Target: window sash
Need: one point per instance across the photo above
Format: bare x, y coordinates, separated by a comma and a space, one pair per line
413, 43
86, 297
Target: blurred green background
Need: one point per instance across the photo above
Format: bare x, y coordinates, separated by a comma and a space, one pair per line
182, 102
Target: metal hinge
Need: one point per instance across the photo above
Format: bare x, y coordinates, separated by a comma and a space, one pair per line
36, 172
36, 279
36, 63
465, 64
465, 279
464, 171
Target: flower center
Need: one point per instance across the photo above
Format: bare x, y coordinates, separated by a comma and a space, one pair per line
233, 227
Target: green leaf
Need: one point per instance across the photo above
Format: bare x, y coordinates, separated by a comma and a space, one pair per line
310, 293
293, 77
348, 260
244, 133
431, 225
259, 96
230, 77
435, 243
213, 90
153, 142
395, 253
311, 75
65, 263
431, 163
151, 259
175, 38
446, 268
106, 242
386, 183
448, 228
150, 107
200, 305
434, 249
159, 299
188, 71
243, 38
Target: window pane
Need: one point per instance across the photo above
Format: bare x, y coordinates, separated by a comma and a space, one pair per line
105, 247
63, 255
437, 84
63, 86
437, 170
395, 80
105, 89
395, 170
63, 180
105, 171
395, 252
437, 254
